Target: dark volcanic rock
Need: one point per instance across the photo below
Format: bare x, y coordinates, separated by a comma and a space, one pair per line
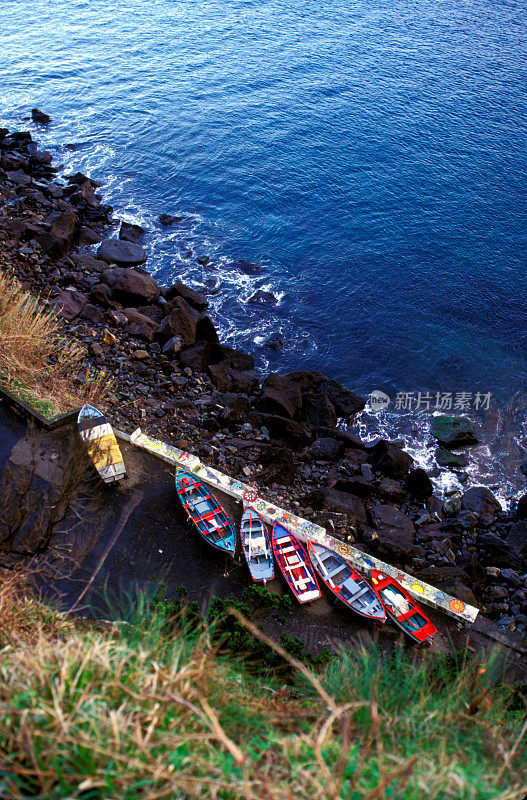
69, 304
275, 342
447, 459
131, 233
196, 299
357, 485
482, 502
326, 449
281, 428
279, 396
205, 330
88, 236
197, 356
390, 489
348, 504
395, 530
346, 402
318, 411
227, 379
39, 117
61, 232
243, 266
418, 483
236, 359
453, 431
521, 507
169, 219
136, 287
391, 460
181, 321
117, 251
262, 298
517, 539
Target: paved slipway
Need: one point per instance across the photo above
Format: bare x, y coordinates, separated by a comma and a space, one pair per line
156, 544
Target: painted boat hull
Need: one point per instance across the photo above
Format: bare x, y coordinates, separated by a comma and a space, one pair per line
402, 608
256, 545
294, 565
206, 514
101, 444
346, 583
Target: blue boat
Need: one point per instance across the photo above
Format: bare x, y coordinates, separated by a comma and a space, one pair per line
209, 518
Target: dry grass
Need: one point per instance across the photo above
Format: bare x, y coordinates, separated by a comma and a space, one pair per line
133, 712
36, 360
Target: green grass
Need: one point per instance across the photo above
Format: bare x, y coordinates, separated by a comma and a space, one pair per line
20, 391
161, 704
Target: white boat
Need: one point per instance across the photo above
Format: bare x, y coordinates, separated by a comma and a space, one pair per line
256, 546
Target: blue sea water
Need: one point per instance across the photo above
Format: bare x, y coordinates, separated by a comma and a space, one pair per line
369, 155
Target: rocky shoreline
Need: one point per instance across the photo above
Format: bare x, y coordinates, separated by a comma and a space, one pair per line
175, 379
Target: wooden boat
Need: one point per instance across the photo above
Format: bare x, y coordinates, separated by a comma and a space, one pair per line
209, 518
294, 564
101, 444
401, 607
256, 546
346, 583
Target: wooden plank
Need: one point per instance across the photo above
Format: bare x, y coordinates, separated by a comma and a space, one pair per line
302, 528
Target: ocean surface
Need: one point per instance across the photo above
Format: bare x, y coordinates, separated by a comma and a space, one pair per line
369, 157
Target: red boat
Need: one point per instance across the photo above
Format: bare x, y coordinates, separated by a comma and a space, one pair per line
401, 607
294, 564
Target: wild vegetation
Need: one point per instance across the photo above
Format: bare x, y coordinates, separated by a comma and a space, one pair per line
157, 706
39, 364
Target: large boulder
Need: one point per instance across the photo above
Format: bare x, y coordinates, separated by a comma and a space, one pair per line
326, 449
521, 507
279, 396
181, 321
236, 359
517, 539
68, 304
482, 502
194, 298
453, 432
349, 504
445, 458
228, 380
346, 402
59, 238
131, 233
205, 330
390, 459
318, 410
118, 251
196, 356
418, 484
282, 428
395, 530
136, 288
40, 117
139, 325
